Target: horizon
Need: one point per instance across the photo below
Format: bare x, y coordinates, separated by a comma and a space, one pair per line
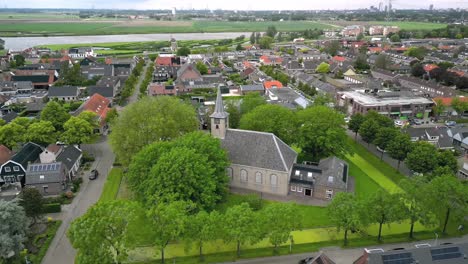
292, 5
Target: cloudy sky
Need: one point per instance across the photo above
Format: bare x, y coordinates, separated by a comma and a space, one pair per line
232, 5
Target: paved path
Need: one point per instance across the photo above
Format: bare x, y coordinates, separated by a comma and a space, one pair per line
342, 256
60, 250
136, 92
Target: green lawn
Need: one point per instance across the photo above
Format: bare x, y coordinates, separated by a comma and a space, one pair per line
410, 25
111, 187
51, 28
364, 185
225, 26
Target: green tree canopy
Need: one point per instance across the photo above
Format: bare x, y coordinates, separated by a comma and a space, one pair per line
250, 102
417, 52
275, 119
383, 61
105, 233
281, 219
384, 137
368, 130
55, 113
323, 68
11, 134
271, 31
355, 122
202, 68
77, 131
32, 202
322, 132
183, 51
399, 147
234, 114
13, 229
422, 158
265, 42
42, 133
192, 167
203, 227
149, 120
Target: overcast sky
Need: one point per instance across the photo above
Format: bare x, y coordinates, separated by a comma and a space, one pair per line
232, 5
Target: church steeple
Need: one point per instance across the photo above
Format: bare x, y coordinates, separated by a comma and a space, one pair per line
219, 118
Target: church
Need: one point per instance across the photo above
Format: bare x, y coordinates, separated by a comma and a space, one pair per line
259, 161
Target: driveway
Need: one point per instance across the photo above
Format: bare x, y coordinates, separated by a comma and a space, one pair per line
342, 256
60, 250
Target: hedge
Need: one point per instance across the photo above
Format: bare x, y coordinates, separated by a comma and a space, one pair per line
52, 208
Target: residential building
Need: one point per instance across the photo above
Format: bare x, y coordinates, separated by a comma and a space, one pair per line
81, 53
64, 93
13, 88
463, 172
253, 88
437, 136
14, 170
272, 84
110, 81
321, 258
91, 71
48, 179
155, 89
426, 87
376, 30
69, 155
396, 105
390, 29
421, 253
99, 105
259, 161
287, 97
352, 31
107, 92
448, 110
271, 60
41, 79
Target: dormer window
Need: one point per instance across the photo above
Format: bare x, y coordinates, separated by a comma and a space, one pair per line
297, 173
309, 175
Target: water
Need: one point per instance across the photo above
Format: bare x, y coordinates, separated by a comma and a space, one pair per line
21, 43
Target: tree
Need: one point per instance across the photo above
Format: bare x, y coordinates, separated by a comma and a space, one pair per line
112, 114
414, 197
322, 132
360, 37
355, 123
250, 102
77, 131
13, 229
384, 137
417, 52
384, 208
447, 159
399, 147
361, 62
106, 232
368, 130
11, 134
271, 31
202, 68
32, 203
22, 121
203, 227
345, 212
265, 42
19, 60
149, 120
56, 114
239, 47
42, 133
323, 68
395, 38
382, 61
281, 219
71, 76
169, 223
275, 119
89, 117
323, 100
417, 70
183, 51
252, 38
234, 114
240, 226
332, 47
459, 106
438, 108
421, 158
447, 198
192, 167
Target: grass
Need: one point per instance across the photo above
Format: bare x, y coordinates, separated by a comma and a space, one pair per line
111, 187
364, 185
53, 28
411, 25
50, 234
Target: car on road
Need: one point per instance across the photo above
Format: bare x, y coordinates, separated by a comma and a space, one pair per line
346, 119
399, 123
306, 260
417, 121
93, 175
381, 150
450, 123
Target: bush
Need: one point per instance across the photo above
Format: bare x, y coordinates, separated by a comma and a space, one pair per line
76, 184
52, 208
254, 201
53, 200
87, 158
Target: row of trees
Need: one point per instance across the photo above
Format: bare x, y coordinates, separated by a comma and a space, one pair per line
131, 82
431, 203
54, 124
276, 74
441, 74
147, 80
117, 225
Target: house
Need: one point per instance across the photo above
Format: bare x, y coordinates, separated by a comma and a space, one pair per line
99, 105
259, 161
107, 92
167, 60
421, 253
155, 89
463, 172
91, 71
82, 52
447, 103
352, 31
164, 73
14, 88
437, 136
70, 156
321, 258
110, 81
64, 93
254, 88
5, 154
425, 87
396, 105
322, 180
272, 84
459, 136
271, 60
41, 79
48, 179
287, 97
14, 170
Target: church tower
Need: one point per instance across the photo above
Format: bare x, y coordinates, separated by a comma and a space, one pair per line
219, 118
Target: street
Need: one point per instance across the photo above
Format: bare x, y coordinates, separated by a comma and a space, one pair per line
343, 256
60, 250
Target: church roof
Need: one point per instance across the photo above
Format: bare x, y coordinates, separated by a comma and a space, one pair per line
219, 108
258, 149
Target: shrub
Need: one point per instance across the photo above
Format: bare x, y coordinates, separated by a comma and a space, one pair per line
87, 158
254, 201
52, 208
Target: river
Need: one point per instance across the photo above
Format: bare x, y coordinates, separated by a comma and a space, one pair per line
21, 43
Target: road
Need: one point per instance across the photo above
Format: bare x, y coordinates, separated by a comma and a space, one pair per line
342, 256
60, 250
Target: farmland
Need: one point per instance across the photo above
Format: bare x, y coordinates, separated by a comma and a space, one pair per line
402, 24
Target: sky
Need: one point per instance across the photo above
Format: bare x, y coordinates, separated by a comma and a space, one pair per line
231, 5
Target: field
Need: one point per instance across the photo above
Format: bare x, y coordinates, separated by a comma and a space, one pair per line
402, 25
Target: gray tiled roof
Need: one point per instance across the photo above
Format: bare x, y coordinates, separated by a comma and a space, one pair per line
102, 90
258, 149
330, 172
38, 173
254, 87
63, 91
28, 153
69, 156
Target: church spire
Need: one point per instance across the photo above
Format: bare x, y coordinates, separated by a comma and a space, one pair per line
219, 118
219, 107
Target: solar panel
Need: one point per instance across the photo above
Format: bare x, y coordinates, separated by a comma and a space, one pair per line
399, 258
446, 253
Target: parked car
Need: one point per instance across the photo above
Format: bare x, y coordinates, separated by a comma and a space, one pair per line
450, 123
417, 121
399, 123
93, 175
381, 150
306, 260
346, 119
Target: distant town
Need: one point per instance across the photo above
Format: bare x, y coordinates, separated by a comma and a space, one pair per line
303, 137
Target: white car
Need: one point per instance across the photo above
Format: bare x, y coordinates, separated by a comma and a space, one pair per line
399, 123
346, 119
